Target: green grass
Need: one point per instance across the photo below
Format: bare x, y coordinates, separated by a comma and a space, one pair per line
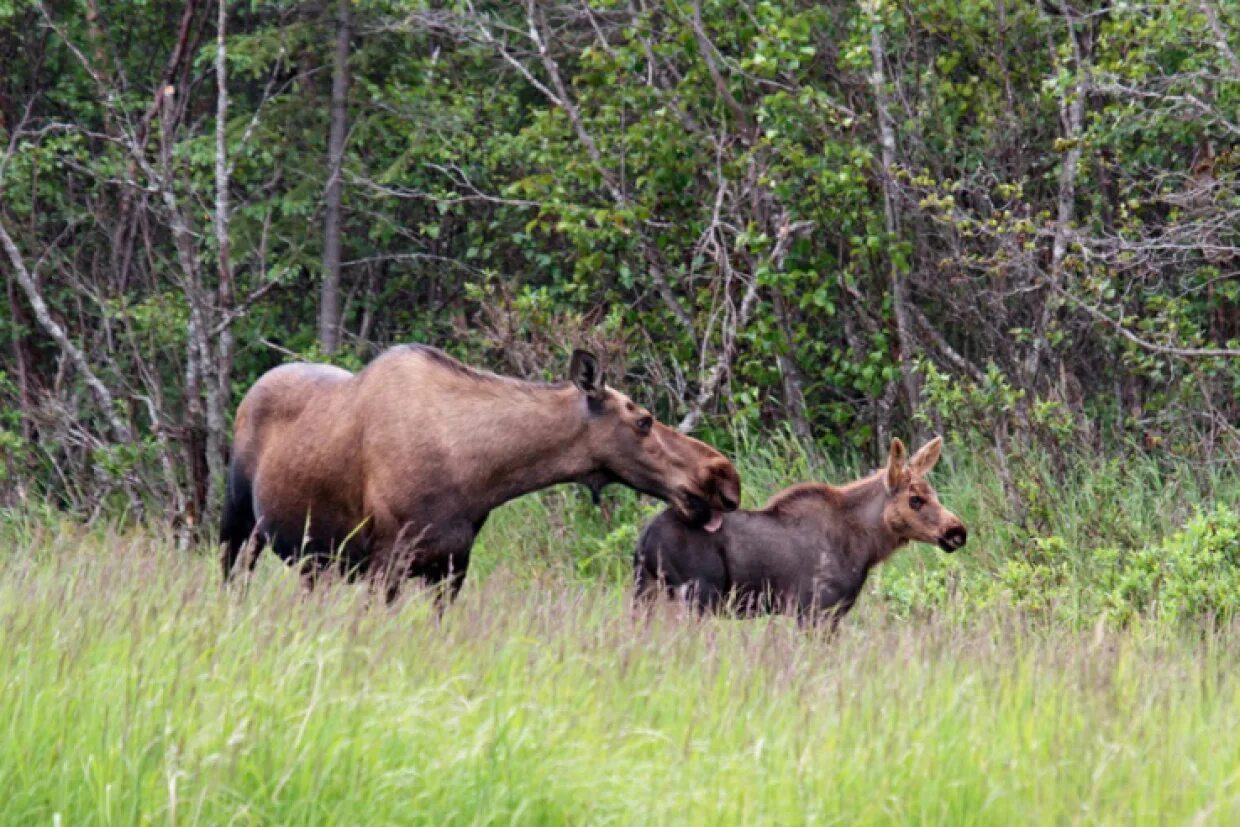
134, 690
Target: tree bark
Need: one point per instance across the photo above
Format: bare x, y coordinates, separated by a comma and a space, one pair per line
329, 299
219, 387
887, 141
1072, 119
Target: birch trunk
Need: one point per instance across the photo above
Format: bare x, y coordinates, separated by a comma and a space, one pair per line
1072, 119
219, 386
329, 299
887, 141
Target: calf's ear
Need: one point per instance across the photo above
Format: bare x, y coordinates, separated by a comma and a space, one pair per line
587, 374
926, 457
897, 471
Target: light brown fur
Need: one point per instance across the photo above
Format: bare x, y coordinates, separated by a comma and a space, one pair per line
406, 459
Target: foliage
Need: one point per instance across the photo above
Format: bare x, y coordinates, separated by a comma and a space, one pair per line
690, 186
1195, 573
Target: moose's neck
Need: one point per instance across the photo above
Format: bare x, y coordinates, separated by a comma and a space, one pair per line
514, 440
867, 539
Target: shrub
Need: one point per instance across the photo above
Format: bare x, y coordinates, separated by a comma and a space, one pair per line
1194, 574
1190, 576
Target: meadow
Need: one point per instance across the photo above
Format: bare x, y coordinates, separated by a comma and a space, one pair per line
1028, 679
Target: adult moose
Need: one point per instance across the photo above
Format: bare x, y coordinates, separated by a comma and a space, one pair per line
392, 471
808, 551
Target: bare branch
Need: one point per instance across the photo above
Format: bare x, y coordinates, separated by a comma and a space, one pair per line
103, 396
1220, 36
708, 56
787, 233
1185, 352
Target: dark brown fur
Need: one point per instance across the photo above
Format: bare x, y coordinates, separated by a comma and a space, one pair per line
808, 552
393, 471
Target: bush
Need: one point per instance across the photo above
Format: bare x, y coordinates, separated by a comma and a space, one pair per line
1194, 574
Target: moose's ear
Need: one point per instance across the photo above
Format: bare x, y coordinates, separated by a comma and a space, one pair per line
924, 459
587, 374
897, 471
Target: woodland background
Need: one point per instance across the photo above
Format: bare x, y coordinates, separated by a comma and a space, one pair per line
1015, 222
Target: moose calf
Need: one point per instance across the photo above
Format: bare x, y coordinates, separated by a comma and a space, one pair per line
808, 552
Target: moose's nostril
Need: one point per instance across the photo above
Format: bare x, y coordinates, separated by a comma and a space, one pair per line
953, 539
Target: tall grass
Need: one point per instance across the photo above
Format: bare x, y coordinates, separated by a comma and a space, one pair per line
133, 689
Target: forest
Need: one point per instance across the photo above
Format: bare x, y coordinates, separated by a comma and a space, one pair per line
842, 221
793, 229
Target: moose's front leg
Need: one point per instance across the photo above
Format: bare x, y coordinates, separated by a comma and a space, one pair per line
455, 562
396, 549
446, 573
445, 576
439, 555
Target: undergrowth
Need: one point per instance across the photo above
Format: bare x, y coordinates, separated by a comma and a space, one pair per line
1074, 663
133, 689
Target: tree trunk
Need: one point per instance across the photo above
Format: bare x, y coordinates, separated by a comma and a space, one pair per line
790, 372
22, 359
219, 387
197, 355
329, 300
1072, 119
887, 140
361, 348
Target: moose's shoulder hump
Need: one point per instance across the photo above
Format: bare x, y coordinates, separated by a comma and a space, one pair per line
438, 360
801, 495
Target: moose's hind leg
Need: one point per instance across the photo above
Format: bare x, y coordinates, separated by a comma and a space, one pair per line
238, 537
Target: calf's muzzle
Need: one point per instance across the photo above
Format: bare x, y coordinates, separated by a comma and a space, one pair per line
953, 538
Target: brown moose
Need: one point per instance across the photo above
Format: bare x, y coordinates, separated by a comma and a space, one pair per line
808, 552
391, 472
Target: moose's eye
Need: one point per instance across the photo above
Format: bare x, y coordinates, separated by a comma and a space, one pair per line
916, 503
645, 424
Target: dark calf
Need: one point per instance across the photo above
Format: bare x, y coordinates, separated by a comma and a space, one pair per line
808, 552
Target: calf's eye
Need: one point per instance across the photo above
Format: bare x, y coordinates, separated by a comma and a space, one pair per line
645, 424
916, 503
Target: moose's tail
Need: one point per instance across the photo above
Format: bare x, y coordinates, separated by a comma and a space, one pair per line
237, 518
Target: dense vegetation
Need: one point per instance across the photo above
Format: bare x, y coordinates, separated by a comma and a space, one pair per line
1014, 221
